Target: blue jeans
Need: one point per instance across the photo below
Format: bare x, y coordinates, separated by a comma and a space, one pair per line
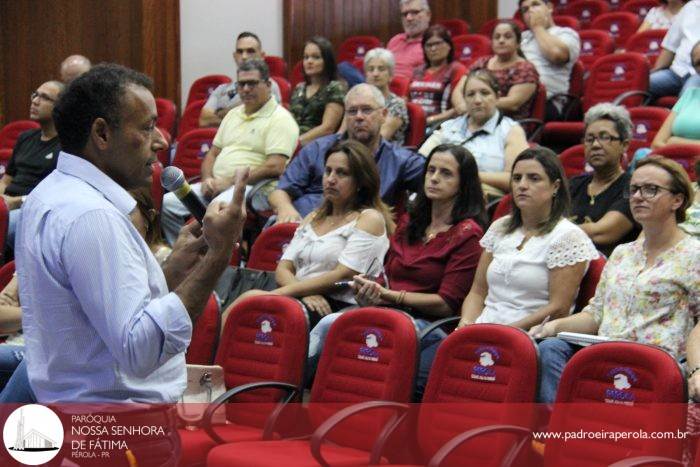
18, 388
554, 354
10, 358
666, 83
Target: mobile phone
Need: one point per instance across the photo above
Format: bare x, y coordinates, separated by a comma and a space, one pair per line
343, 284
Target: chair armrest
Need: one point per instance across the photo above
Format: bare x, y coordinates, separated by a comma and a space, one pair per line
452, 320
627, 94
291, 390
323, 430
536, 123
571, 103
254, 190
442, 453
644, 460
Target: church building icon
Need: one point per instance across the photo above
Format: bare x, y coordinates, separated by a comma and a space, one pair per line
33, 440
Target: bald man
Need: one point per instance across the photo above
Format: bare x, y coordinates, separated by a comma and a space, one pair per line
74, 66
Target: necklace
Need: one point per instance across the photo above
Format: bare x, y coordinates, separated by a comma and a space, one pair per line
605, 185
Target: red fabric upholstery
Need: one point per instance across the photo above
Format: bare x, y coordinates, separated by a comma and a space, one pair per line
560, 5
167, 113
277, 66
469, 47
269, 246
666, 101
285, 88
164, 154
347, 373
355, 47
504, 207
647, 43
399, 86
416, 125
586, 10
10, 132
639, 7
594, 44
297, 74
685, 154
589, 283
488, 27
576, 79
573, 160
6, 272
191, 149
646, 122
456, 26
190, 118
567, 21
205, 334
204, 86
619, 24
654, 376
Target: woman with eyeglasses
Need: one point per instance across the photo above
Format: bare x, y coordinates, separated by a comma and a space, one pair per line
598, 204
649, 291
432, 84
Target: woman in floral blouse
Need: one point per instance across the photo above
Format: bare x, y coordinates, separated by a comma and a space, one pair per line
649, 291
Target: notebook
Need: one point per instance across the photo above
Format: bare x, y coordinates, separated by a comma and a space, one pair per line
581, 339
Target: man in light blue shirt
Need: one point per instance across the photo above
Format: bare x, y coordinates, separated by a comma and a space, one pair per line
99, 322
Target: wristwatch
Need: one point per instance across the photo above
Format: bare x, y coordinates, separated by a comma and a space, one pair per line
23, 199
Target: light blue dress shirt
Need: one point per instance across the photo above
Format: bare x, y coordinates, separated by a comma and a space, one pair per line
98, 321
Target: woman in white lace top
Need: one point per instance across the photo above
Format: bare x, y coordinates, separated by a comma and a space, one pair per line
534, 259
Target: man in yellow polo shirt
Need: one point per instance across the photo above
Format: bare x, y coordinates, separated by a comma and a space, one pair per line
260, 134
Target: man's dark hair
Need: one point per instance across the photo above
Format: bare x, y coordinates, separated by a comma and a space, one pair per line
245, 34
95, 94
256, 64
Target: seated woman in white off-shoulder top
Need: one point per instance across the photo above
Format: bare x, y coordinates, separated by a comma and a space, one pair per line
534, 259
345, 236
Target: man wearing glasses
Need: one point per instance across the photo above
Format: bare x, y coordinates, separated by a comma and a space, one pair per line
260, 134
34, 155
406, 47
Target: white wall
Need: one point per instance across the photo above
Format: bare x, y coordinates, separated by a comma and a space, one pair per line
506, 8
208, 30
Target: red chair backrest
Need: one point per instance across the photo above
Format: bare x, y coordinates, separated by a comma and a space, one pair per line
504, 207
594, 44
10, 132
639, 7
269, 246
355, 47
619, 24
167, 113
6, 273
539, 105
615, 74
297, 74
164, 154
685, 154
479, 369
646, 122
265, 338
191, 149
469, 47
567, 21
593, 393
205, 334
204, 86
416, 125
285, 88
399, 86
576, 79
573, 160
190, 117
487, 28
456, 26
586, 10
560, 6
589, 283
647, 43
277, 66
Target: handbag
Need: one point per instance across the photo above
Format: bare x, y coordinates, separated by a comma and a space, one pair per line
205, 383
235, 281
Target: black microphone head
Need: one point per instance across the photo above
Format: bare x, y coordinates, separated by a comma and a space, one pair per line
172, 178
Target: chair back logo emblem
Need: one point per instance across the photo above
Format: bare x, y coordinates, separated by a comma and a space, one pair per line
266, 324
622, 380
370, 349
484, 370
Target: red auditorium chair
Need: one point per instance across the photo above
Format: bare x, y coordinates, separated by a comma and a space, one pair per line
504, 207
586, 10
567, 21
647, 43
190, 117
573, 161
416, 125
533, 125
6, 273
619, 24
258, 368
560, 6
269, 246
455, 26
488, 27
204, 86
355, 47
167, 113
469, 47
10, 132
349, 371
666, 101
646, 122
191, 149
589, 283
616, 4
205, 334
594, 44
639, 7
399, 86
297, 74
685, 154
623, 78
164, 154
277, 66
285, 88
461, 392
653, 400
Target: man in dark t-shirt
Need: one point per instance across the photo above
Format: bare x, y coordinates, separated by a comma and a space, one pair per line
34, 155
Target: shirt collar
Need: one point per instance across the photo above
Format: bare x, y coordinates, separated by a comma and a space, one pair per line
90, 174
264, 111
489, 126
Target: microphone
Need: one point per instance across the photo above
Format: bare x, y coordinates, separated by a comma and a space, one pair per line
173, 180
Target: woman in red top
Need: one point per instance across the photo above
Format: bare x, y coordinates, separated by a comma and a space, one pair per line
432, 84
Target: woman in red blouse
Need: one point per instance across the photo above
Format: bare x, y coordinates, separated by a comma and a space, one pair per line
517, 78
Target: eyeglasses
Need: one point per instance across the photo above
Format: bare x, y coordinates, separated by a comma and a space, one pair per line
42, 96
354, 111
408, 13
648, 191
434, 44
603, 138
253, 83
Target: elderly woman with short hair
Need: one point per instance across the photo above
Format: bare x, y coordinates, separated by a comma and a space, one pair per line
379, 69
598, 205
